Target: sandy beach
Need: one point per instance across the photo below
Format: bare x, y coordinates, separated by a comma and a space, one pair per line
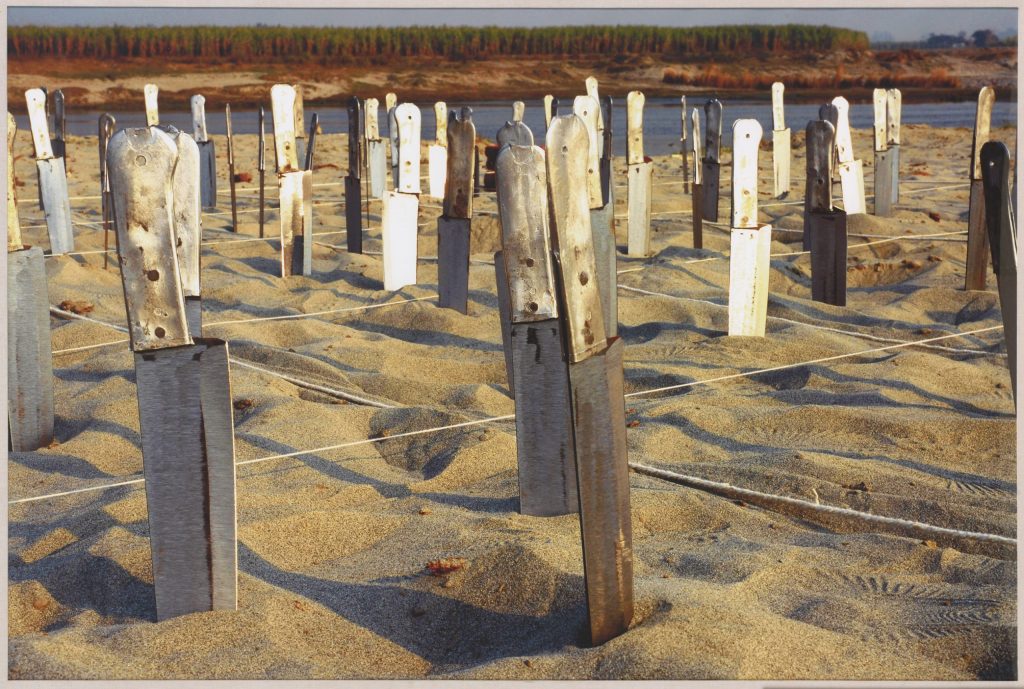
334, 543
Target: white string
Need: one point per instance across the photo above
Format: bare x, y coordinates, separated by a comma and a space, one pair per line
314, 386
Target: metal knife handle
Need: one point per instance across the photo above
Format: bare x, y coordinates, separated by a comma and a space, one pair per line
441, 123
844, 142
199, 118
894, 109
746, 137
141, 163
106, 130
187, 212
150, 92
458, 185
683, 117
587, 109
300, 112
525, 234
548, 114
878, 100
830, 113
567, 141
370, 112
13, 226
606, 110
59, 115
314, 124
514, 134
282, 102
995, 171
778, 109
982, 127
231, 139
820, 140
713, 130
390, 101
261, 160
518, 110
355, 135
591, 83
35, 100
635, 127
407, 116
697, 153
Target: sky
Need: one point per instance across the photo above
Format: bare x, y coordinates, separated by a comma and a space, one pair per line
900, 24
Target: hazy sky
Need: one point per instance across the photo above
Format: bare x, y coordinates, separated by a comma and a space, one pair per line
902, 24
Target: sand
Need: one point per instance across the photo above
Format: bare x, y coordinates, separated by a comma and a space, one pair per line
333, 544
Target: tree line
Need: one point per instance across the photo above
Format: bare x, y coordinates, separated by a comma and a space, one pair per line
456, 43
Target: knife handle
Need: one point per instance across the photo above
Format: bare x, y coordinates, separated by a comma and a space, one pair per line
697, 153
35, 101
525, 233
591, 83
314, 124
548, 111
982, 127
13, 226
458, 185
820, 137
299, 112
141, 164
187, 211
606, 109
635, 127
713, 130
566, 144
282, 100
518, 110
407, 117
683, 117
995, 171
355, 130
199, 118
371, 109
778, 110
59, 115
150, 92
441, 123
390, 101
844, 142
587, 109
894, 108
261, 161
746, 138
878, 100
106, 130
514, 134
231, 140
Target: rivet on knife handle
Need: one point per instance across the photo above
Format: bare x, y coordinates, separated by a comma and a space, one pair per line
587, 109
150, 93
567, 142
141, 162
523, 209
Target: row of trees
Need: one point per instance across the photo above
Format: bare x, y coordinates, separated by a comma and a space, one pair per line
264, 42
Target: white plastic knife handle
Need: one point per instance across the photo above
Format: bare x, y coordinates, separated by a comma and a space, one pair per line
390, 101
150, 91
13, 226
282, 101
982, 126
370, 108
547, 110
682, 105
35, 101
586, 108
746, 137
844, 143
697, 153
407, 116
441, 123
778, 110
518, 109
879, 100
199, 118
894, 106
635, 127
591, 83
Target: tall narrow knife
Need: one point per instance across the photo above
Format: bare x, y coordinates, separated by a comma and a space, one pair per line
697, 188
711, 164
825, 224
261, 165
544, 442
231, 167
595, 391
602, 224
977, 234
299, 117
400, 219
207, 156
437, 154
53, 181
106, 130
184, 391
59, 127
454, 224
295, 186
353, 183
376, 152
780, 142
684, 146
641, 168
1002, 237
314, 125
893, 110
750, 241
883, 157
390, 103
